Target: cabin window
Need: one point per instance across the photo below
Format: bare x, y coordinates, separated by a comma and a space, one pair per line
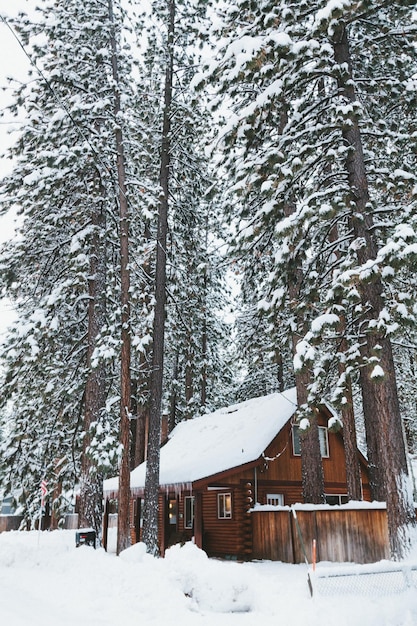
338, 498
323, 438
224, 505
275, 499
189, 502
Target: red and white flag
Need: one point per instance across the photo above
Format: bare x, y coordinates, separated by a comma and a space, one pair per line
44, 491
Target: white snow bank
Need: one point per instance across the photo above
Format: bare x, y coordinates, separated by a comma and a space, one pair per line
45, 579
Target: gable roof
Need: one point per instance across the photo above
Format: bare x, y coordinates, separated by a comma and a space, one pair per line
218, 441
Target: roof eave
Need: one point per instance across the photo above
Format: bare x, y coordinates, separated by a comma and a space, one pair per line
219, 476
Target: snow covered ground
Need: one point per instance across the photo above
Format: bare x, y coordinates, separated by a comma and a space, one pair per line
45, 579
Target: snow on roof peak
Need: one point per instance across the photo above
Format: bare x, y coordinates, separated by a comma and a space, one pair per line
218, 441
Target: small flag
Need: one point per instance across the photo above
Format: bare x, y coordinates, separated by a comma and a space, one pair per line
44, 491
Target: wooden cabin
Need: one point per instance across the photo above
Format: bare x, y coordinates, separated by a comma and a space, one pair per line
214, 468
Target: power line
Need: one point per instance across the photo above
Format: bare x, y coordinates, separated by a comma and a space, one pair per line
62, 104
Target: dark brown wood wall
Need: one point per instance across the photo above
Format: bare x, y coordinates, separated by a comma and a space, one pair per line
284, 468
278, 472
220, 536
228, 537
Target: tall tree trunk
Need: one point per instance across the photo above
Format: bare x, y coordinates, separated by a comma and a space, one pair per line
350, 442
150, 517
123, 519
143, 382
204, 357
380, 399
91, 483
142, 413
173, 401
141, 441
311, 463
133, 422
279, 361
189, 376
204, 331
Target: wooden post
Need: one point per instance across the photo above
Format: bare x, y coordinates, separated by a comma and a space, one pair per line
198, 521
314, 553
106, 524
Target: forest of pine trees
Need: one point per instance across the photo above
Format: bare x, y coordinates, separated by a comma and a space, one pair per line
217, 200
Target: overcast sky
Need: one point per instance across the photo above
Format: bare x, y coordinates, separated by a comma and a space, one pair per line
13, 62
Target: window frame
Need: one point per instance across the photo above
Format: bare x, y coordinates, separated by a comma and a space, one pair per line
323, 438
189, 512
173, 512
224, 505
273, 496
339, 496
324, 442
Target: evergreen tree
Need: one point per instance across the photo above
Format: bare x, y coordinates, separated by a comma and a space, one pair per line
150, 519
314, 94
196, 330
60, 271
186, 376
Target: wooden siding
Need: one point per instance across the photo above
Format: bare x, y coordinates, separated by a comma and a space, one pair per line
281, 464
228, 537
342, 535
220, 536
245, 535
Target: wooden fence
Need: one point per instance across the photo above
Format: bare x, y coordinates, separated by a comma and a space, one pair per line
15, 522
10, 522
342, 534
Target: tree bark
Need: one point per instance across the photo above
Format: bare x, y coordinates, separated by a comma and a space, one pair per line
123, 519
189, 376
143, 382
173, 400
204, 330
141, 440
91, 482
150, 517
380, 400
350, 442
311, 463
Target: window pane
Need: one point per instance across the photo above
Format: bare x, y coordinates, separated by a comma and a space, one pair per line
336, 499
189, 511
228, 505
333, 500
324, 441
323, 438
296, 445
224, 505
275, 499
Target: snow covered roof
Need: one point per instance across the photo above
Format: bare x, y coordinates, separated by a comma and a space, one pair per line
218, 441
